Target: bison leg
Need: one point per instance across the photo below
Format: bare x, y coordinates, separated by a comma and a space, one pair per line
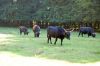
49, 38
79, 34
37, 34
82, 34
61, 41
55, 41
20, 32
88, 35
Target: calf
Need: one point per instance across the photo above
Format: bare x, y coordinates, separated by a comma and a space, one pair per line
86, 30
57, 32
24, 30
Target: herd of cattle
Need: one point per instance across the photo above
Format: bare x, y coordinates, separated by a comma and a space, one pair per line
58, 32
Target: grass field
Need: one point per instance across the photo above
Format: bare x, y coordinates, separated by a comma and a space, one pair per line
76, 50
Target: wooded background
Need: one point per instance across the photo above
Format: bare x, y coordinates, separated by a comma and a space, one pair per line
67, 13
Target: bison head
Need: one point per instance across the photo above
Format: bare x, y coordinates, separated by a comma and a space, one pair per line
26, 33
67, 35
94, 35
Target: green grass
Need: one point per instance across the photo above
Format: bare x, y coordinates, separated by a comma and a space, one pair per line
77, 50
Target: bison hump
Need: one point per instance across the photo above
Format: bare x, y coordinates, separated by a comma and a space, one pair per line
61, 30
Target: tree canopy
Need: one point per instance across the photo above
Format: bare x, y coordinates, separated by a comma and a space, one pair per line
51, 10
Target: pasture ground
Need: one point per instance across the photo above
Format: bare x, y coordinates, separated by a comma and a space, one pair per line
78, 50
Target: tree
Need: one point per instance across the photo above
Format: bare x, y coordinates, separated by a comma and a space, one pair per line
51, 10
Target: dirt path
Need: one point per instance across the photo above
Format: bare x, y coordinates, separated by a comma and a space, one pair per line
10, 59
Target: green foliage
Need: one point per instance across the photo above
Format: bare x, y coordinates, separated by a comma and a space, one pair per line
51, 10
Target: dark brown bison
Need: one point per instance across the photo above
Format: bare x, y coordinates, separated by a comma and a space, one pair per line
86, 30
24, 30
36, 30
57, 32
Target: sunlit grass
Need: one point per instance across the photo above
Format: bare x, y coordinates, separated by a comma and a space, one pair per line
4, 38
78, 49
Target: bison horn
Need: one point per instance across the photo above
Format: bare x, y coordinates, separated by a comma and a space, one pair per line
72, 30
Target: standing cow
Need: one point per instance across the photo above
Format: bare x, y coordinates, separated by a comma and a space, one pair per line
24, 30
57, 32
86, 30
36, 30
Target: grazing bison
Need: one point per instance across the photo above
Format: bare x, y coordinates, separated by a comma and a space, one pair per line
86, 30
36, 30
24, 30
57, 32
